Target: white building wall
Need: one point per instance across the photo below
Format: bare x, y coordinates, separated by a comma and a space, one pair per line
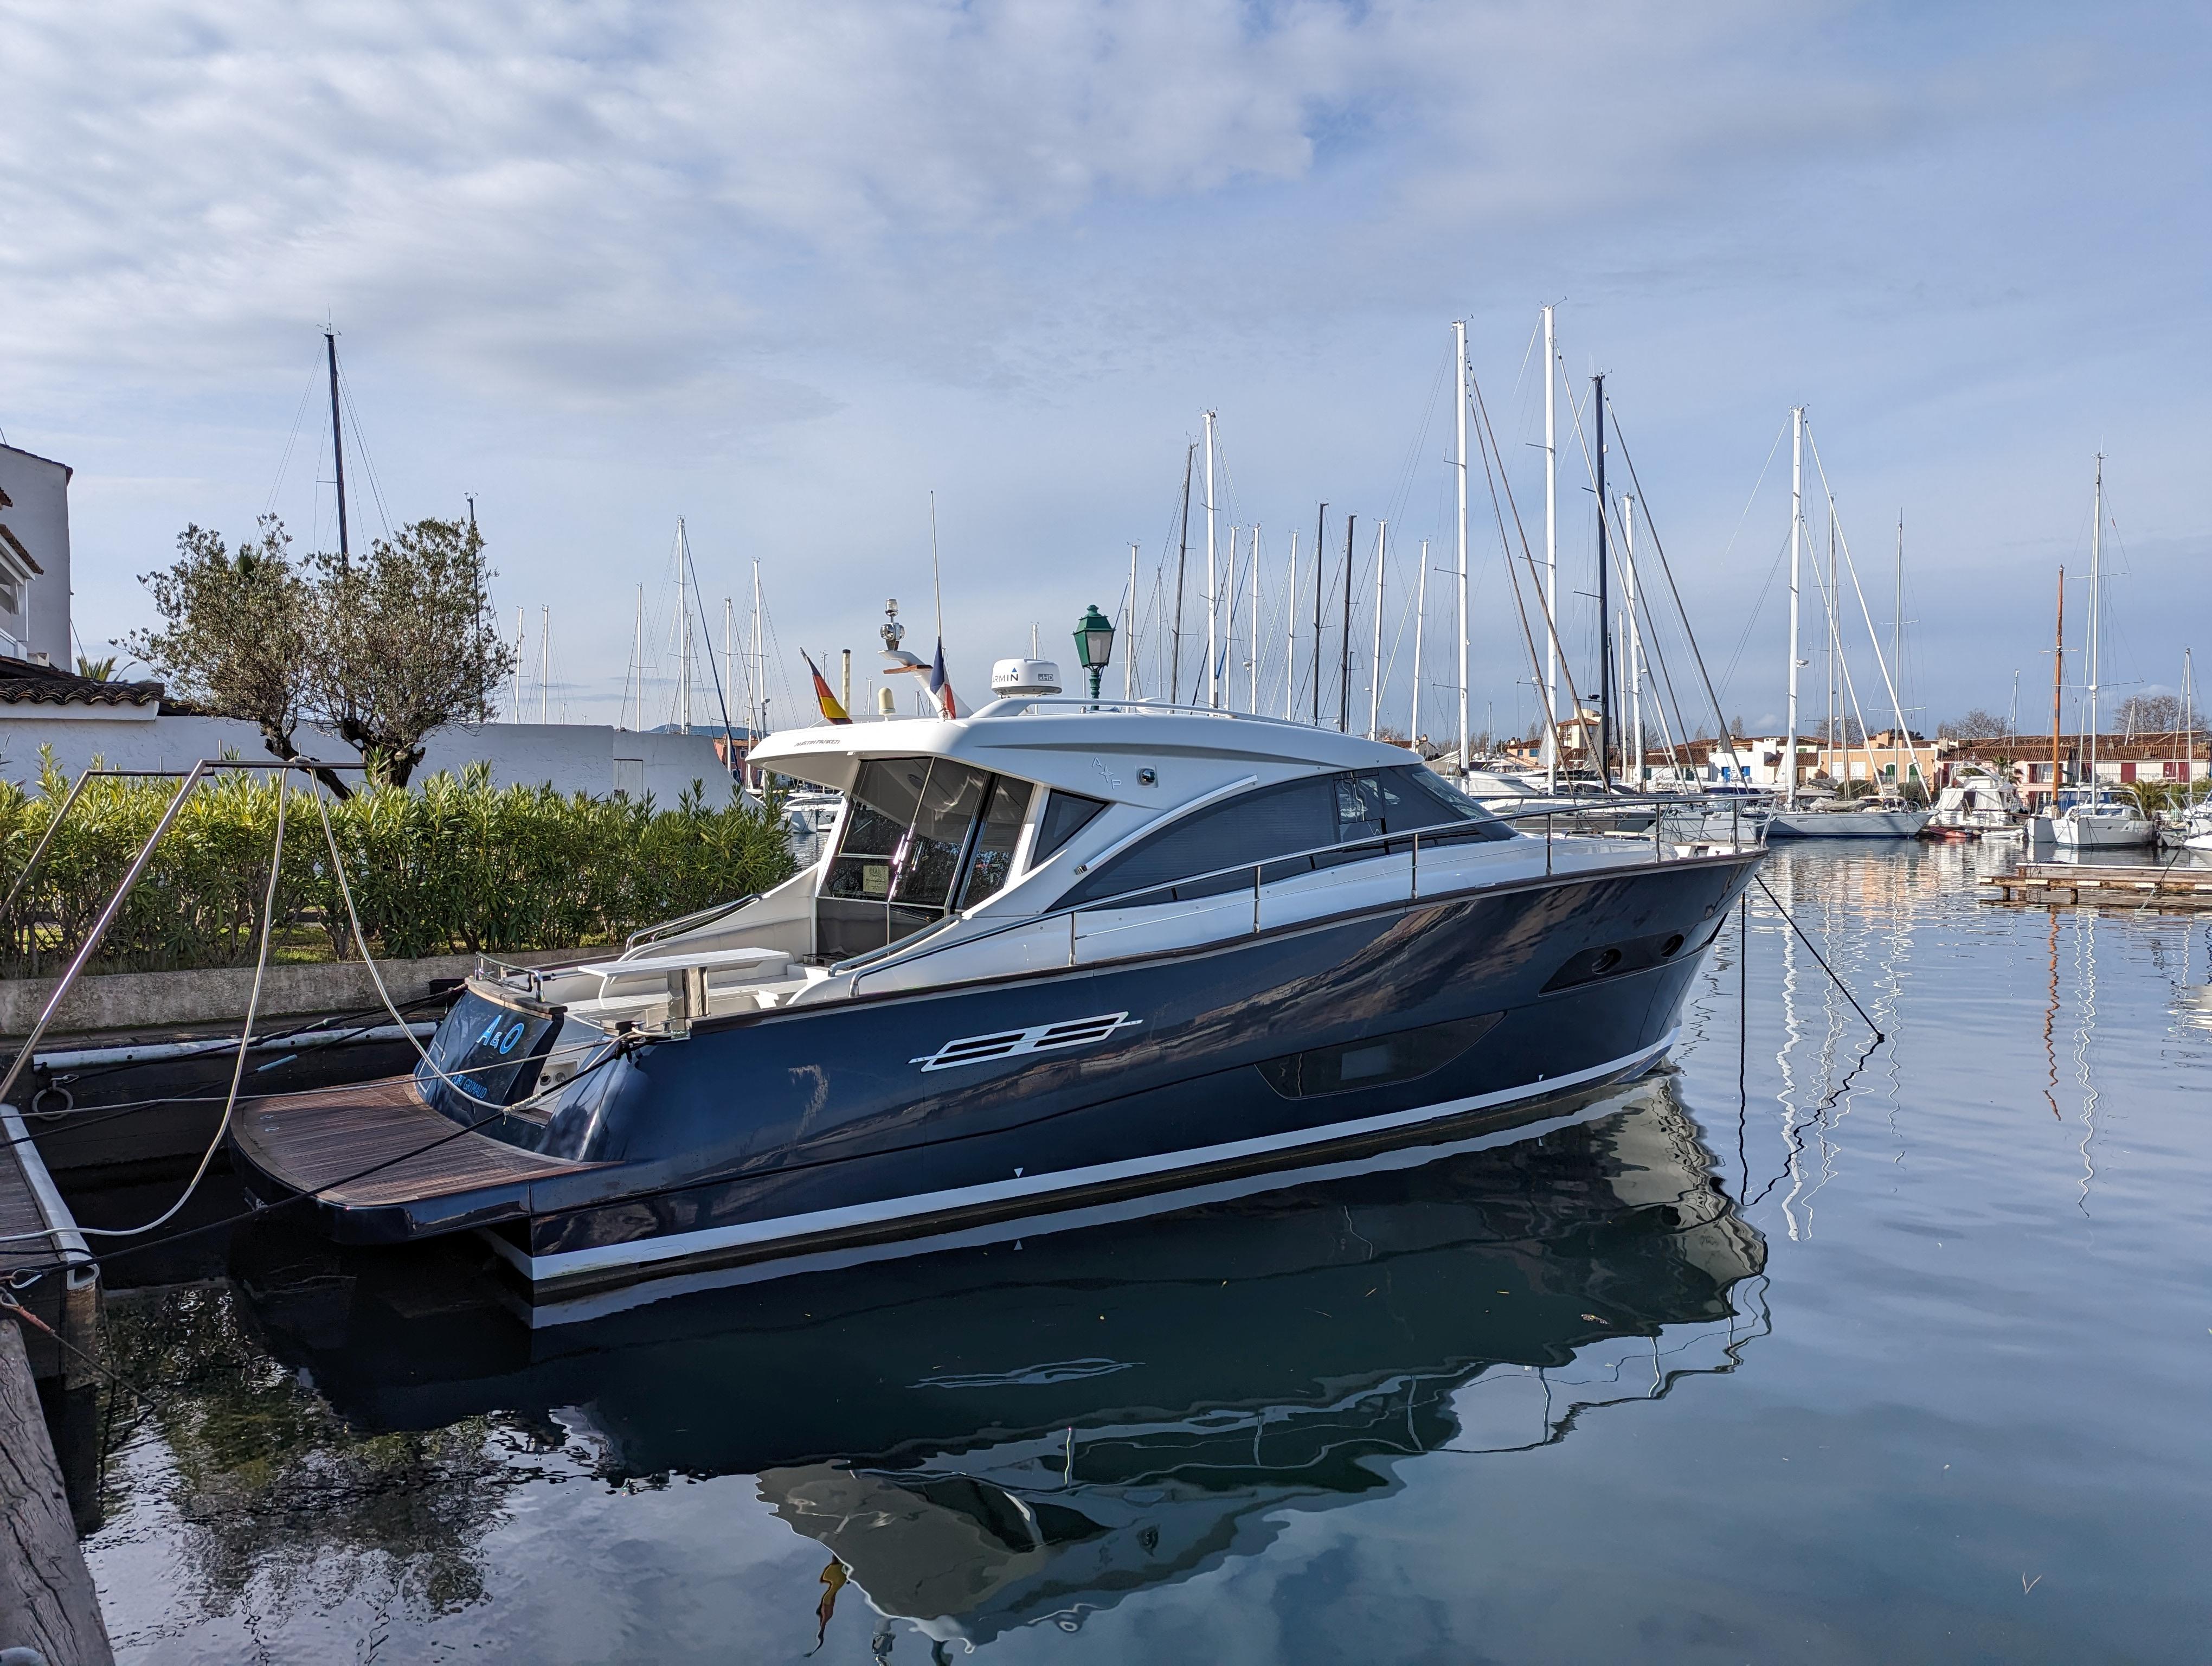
38, 488
576, 757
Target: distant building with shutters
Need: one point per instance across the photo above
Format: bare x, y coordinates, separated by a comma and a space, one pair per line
34, 558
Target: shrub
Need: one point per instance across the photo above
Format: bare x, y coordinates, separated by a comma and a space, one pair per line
457, 865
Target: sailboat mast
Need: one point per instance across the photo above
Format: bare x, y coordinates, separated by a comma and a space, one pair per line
637, 665
1796, 547
1420, 613
684, 630
1213, 593
1604, 618
1344, 639
1129, 630
1375, 670
1635, 644
759, 671
1321, 522
1897, 647
544, 661
1551, 553
1182, 560
1252, 665
519, 615
1459, 455
1290, 625
2057, 693
337, 447
2096, 573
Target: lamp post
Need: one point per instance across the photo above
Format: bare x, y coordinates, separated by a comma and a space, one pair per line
1094, 645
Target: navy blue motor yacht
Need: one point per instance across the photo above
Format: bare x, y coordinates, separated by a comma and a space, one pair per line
1056, 958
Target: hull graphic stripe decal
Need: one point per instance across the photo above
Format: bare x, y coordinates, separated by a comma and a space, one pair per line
1012, 1044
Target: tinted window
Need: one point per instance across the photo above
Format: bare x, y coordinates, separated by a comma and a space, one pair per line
1297, 814
1372, 802
1276, 821
993, 862
1066, 814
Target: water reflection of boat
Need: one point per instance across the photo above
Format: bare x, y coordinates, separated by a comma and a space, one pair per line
994, 1437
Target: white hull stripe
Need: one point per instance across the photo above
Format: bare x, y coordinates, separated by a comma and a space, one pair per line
644, 1251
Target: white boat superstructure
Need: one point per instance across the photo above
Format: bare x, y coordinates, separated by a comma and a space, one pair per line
1980, 800
2103, 823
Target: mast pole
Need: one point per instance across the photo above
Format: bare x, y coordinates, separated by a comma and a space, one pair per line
2058, 694
1321, 521
1796, 550
1252, 667
1459, 453
1634, 642
1604, 618
2096, 571
1375, 670
1212, 591
1420, 610
545, 661
637, 665
1182, 560
1551, 553
1129, 630
1344, 639
758, 673
337, 448
1290, 624
682, 632
1897, 659
521, 614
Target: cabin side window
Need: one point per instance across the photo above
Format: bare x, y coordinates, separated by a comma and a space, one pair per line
1295, 824
1066, 814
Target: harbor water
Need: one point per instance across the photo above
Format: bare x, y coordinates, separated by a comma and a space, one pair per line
1811, 1347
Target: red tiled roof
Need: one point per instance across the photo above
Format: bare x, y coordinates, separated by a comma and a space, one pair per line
24, 683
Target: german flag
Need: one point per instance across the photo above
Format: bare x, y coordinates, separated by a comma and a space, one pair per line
830, 709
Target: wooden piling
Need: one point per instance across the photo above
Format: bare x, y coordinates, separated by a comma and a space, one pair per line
47, 1597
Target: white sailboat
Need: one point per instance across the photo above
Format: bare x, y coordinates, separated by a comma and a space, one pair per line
1874, 818
2099, 822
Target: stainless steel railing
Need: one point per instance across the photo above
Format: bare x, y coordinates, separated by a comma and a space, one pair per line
1583, 821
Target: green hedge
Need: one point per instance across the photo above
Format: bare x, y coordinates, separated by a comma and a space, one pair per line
454, 865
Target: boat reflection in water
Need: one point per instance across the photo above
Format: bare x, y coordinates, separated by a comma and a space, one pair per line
993, 1437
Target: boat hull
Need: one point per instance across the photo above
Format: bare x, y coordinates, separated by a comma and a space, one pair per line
913, 1115
2096, 834
1846, 824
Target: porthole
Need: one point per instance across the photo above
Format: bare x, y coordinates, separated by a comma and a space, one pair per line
1671, 947
1603, 962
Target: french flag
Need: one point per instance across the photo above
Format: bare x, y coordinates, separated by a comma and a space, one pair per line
940, 685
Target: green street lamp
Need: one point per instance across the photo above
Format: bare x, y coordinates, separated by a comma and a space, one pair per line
1094, 645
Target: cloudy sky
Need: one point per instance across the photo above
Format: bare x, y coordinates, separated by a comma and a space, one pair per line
784, 270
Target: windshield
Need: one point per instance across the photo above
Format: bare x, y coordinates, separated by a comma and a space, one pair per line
925, 838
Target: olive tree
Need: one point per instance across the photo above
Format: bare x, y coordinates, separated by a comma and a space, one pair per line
402, 643
232, 639
383, 649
